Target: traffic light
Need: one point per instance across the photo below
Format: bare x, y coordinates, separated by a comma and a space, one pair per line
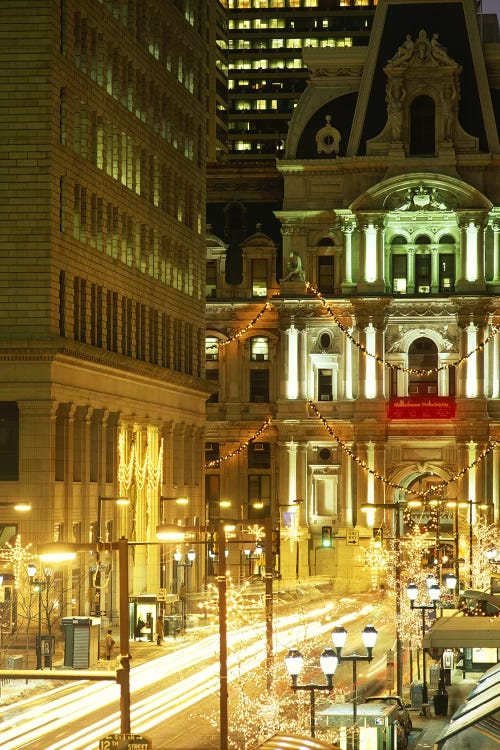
326, 536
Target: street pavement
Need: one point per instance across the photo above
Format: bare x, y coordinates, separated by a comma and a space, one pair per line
428, 729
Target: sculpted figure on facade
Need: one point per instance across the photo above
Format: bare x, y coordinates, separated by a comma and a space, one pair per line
404, 52
395, 97
295, 271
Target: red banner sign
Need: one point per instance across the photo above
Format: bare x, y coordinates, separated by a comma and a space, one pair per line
422, 407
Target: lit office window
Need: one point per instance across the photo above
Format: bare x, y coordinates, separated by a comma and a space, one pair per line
242, 146
277, 43
211, 349
259, 348
294, 43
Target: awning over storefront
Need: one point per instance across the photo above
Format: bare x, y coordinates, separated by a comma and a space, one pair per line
463, 632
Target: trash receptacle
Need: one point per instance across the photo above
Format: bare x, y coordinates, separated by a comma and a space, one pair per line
81, 641
416, 691
440, 704
15, 662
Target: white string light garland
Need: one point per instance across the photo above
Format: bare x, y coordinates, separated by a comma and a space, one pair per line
490, 446
381, 360
243, 446
392, 365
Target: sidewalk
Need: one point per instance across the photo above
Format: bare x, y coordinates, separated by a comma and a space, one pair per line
433, 726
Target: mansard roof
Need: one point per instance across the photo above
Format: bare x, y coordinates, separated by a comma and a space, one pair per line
350, 84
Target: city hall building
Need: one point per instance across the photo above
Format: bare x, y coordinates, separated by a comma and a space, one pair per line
370, 372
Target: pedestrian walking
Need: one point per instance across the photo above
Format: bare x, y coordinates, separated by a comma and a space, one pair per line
160, 630
109, 644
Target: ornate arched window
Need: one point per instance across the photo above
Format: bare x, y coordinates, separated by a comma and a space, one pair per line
423, 355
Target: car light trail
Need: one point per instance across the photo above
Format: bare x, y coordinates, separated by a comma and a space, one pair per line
169, 701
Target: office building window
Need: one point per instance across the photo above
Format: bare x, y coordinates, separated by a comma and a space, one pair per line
9, 441
211, 349
325, 390
259, 495
259, 349
211, 279
212, 375
399, 273
259, 277
259, 386
325, 274
259, 456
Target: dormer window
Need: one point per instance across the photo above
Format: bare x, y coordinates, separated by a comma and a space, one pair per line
259, 277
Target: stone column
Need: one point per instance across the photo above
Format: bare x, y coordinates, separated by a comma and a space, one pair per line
348, 226
461, 370
362, 363
348, 371
379, 366
303, 363
496, 252
462, 277
410, 285
346, 510
434, 270
362, 256
283, 360
495, 495
480, 276
380, 278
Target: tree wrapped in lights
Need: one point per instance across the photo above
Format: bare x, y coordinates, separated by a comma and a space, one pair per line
485, 536
256, 712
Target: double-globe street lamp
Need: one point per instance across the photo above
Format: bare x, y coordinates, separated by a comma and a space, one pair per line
329, 660
294, 663
369, 638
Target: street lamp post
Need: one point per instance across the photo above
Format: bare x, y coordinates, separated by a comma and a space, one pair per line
188, 563
328, 662
97, 580
369, 638
434, 594
65, 552
397, 507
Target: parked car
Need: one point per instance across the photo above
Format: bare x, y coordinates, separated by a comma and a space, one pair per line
395, 700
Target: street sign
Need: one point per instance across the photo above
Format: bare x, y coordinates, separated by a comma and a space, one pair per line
352, 537
389, 677
125, 742
162, 595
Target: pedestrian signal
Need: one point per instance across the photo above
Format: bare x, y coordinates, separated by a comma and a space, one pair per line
326, 536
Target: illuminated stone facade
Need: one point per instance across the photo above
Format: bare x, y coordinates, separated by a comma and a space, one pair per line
392, 212
103, 269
